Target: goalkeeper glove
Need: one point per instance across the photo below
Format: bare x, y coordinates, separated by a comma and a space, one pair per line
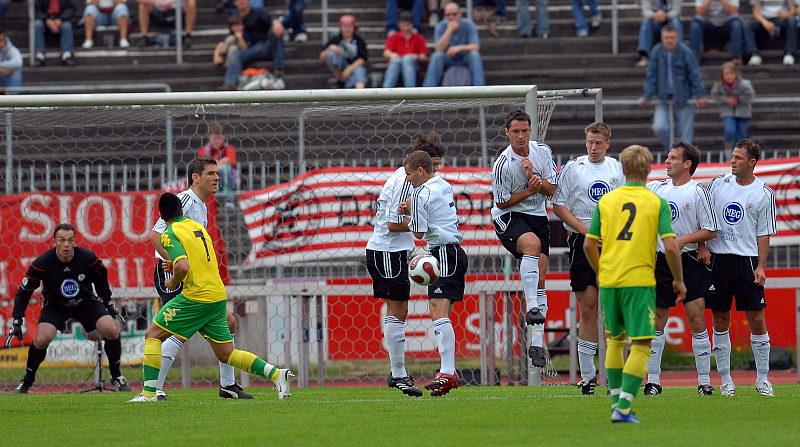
112, 310
16, 331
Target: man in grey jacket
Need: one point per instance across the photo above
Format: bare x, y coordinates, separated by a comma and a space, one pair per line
674, 77
10, 65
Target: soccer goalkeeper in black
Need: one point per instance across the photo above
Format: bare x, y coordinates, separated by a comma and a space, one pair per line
68, 273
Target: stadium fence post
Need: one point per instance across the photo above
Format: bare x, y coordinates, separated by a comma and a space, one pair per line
797, 330
321, 365
573, 338
186, 371
9, 154
601, 346
483, 315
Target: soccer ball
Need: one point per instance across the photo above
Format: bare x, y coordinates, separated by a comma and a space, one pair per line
423, 270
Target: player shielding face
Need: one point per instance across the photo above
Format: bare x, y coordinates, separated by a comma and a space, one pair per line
387, 260
580, 184
745, 209
523, 177
629, 220
70, 276
203, 178
200, 307
693, 222
434, 220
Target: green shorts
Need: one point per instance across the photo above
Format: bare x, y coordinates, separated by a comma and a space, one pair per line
629, 310
183, 317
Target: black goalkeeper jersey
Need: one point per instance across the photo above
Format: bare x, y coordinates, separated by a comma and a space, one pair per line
65, 283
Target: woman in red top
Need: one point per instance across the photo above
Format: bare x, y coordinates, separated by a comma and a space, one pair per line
404, 50
225, 155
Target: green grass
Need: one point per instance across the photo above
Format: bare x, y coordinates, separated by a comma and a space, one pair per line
479, 416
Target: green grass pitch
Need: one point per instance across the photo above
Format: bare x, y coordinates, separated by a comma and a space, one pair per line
468, 416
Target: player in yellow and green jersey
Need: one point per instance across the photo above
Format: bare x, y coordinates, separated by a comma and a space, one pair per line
627, 222
201, 306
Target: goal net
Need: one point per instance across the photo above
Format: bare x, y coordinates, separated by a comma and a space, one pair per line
290, 224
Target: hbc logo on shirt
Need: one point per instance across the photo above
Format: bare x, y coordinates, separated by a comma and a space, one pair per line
598, 189
733, 213
673, 209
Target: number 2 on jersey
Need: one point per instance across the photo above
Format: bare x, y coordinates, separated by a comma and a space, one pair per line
626, 234
199, 234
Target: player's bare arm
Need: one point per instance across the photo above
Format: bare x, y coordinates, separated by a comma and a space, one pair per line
673, 255
591, 249
760, 273
566, 216
698, 236
180, 270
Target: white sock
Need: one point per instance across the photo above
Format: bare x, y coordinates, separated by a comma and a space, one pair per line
654, 362
227, 374
446, 342
529, 272
722, 353
701, 346
394, 332
760, 345
586, 353
169, 351
538, 329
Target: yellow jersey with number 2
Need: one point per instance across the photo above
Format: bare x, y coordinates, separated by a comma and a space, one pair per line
628, 221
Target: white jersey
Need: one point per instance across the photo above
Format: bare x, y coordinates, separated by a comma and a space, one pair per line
581, 183
508, 177
743, 213
395, 191
690, 207
193, 208
433, 212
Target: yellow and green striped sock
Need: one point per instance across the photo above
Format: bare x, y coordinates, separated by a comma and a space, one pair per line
151, 364
615, 360
247, 361
632, 375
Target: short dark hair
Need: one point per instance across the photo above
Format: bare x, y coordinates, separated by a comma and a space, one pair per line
690, 153
517, 115
668, 29
61, 226
753, 149
169, 206
197, 166
431, 143
419, 159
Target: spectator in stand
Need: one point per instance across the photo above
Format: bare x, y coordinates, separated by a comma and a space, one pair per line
456, 43
224, 154
673, 76
10, 66
404, 50
159, 11
773, 18
346, 55
581, 26
106, 13
524, 27
3, 7
735, 97
717, 18
233, 41
294, 19
489, 12
55, 17
436, 12
393, 7
656, 15
264, 39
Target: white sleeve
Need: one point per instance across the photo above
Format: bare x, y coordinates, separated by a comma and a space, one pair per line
160, 226
766, 225
563, 184
705, 213
419, 210
401, 190
548, 164
501, 181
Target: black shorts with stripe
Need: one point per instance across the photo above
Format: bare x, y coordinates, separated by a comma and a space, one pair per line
581, 273
510, 226
734, 276
696, 276
87, 312
389, 272
160, 278
453, 264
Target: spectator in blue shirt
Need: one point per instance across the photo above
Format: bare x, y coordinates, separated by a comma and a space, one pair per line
673, 76
10, 65
456, 43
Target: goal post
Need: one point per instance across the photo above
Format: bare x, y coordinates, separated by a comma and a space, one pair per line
291, 231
